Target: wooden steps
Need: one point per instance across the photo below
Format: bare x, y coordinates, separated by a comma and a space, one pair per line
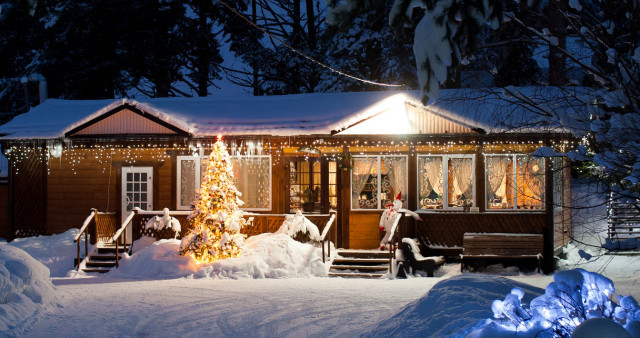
623, 220
360, 264
102, 259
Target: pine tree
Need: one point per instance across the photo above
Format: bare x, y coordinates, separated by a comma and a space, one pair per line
216, 220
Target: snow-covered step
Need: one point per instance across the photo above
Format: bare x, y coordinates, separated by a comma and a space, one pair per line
356, 275
361, 267
360, 264
361, 260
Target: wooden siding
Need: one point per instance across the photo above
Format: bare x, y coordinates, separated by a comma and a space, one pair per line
122, 123
28, 196
425, 122
446, 229
74, 188
4, 204
364, 230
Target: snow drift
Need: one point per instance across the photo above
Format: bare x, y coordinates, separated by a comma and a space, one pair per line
451, 308
24, 289
264, 256
57, 252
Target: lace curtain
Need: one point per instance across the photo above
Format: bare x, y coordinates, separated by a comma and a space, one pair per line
397, 171
462, 171
533, 174
432, 174
359, 175
187, 182
497, 175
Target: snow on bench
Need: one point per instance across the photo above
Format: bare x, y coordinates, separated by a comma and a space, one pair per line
416, 260
477, 246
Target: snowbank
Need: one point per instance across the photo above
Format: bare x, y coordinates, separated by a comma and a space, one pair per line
24, 289
451, 308
574, 297
264, 256
57, 252
299, 227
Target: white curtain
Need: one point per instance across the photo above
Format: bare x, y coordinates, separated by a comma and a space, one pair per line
497, 175
359, 176
433, 173
397, 171
462, 176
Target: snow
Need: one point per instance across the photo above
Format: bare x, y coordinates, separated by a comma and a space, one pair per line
278, 287
40, 248
25, 289
264, 256
319, 113
210, 116
294, 224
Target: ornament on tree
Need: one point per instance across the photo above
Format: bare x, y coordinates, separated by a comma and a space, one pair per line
216, 220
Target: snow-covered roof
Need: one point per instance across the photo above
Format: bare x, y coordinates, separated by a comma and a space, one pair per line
302, 114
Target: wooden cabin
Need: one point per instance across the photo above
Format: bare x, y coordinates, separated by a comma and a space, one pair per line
464, 162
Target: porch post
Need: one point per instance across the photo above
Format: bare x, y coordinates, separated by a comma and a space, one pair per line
548, 265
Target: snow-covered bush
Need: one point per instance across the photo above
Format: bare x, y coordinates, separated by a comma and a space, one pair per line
163, 227
300, 228
572, 298
24, 289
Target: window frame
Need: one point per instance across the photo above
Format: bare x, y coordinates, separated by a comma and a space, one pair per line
379, 186
197, 182
514, 179
445, 174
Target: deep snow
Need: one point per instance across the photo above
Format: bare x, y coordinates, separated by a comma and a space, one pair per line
278, 288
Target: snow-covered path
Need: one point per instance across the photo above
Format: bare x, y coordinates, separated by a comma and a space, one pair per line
297, 307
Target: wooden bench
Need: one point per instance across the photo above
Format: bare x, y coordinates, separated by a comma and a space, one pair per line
415, 259
501, 246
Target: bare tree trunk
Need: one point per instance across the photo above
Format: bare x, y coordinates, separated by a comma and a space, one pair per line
311, 25
557, 59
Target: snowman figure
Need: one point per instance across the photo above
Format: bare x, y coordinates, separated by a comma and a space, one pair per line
389, 216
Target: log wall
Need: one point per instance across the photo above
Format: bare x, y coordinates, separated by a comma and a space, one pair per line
364, 229
446, 229
27, 191
73, 188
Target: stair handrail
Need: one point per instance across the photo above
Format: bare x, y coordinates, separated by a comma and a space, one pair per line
84, 229
393, 237
325, 231
120, 232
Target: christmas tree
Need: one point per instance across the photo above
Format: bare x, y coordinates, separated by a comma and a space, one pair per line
216, 220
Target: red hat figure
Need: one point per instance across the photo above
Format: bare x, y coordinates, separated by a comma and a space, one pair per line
388, 218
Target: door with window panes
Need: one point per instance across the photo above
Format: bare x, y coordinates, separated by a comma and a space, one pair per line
137, 191
312, 185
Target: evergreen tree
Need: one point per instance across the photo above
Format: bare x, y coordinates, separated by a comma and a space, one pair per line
216, 220
368, 49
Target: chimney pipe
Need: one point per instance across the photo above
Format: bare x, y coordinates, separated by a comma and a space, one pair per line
42, 87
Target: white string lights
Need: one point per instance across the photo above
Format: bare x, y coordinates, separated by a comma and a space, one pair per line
76, 156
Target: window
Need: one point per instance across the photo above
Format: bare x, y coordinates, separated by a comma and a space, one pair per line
252, 177
514, 182
312, 185
456, 191
377, 180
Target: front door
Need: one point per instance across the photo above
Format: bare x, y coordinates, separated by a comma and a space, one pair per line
312, 185
137, 191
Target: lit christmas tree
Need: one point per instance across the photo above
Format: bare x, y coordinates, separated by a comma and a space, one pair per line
216, 220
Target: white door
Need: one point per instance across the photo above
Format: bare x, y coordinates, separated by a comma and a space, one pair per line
137, 191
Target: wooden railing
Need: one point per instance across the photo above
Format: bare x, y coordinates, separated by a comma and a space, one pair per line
122, 232
395, 237
84, 229
102, 226
323, 237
